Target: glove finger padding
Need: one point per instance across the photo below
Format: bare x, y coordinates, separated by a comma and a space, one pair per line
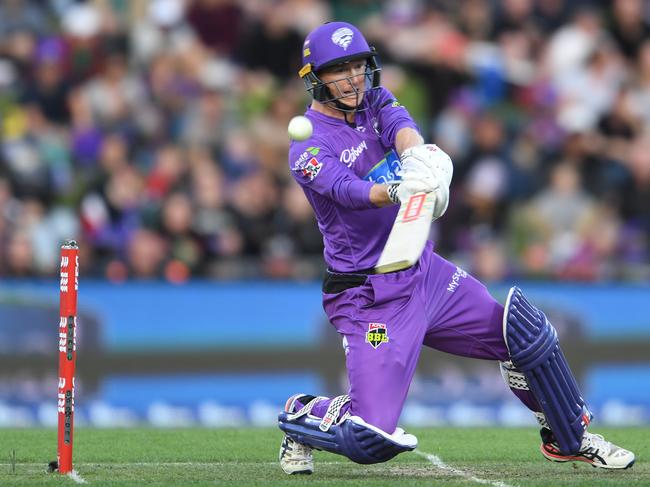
428, 179
416, 166
412, 185
442, 201
430, 164
432, 157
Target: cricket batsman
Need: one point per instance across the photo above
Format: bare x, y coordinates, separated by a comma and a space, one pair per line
364, 157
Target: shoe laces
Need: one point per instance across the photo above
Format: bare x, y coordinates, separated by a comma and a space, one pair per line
597, 442
295, 450
301, 450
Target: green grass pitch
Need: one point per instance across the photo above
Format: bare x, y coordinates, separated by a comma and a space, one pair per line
498, 457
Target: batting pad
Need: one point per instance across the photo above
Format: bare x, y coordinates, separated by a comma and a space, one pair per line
353, 438
535, 351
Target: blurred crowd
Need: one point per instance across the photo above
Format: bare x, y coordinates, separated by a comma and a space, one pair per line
154, 131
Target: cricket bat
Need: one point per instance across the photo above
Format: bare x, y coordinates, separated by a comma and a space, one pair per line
409, 234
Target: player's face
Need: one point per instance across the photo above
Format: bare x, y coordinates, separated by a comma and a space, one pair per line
346, 81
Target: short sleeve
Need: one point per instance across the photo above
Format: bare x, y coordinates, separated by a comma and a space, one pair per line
314, 166
391, 116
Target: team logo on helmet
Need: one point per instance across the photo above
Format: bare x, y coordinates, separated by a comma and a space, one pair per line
343, 37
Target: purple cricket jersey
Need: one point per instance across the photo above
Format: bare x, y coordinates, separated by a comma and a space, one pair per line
337, 166
383, 319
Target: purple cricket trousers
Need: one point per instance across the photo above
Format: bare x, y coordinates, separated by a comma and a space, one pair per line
385, 321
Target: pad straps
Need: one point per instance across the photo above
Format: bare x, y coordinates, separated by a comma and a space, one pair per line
306, 409
332, 414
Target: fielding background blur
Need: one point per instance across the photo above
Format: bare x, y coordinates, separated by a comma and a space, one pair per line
154, 132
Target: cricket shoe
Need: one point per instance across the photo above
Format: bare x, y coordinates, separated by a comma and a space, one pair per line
594, 450
296, 458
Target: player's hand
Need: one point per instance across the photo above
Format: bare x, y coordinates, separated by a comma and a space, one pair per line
411, 184
415, 169
421, 158
432, 167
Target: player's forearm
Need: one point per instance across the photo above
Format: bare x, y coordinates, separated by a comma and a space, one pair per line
407, 137
379, 195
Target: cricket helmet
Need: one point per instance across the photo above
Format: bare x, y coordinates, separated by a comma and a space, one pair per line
331, 44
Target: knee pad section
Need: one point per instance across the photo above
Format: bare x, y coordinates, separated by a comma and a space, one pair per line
353, 438
535, 352
512, 377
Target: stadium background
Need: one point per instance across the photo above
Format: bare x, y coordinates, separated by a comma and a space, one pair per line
155, 133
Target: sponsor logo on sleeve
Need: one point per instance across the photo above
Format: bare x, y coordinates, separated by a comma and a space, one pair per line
312, 168
307, 164
377, 334
455, 279
395, 104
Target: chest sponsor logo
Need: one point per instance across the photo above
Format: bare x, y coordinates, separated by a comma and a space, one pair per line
387, 170
455, 279
348, 156
377, 334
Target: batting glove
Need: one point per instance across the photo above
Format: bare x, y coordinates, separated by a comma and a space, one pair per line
431, 157
409, 185
431, 166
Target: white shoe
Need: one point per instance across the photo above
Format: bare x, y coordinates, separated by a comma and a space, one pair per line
295, 458
594, 450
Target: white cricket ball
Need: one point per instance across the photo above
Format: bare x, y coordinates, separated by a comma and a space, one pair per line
300, 128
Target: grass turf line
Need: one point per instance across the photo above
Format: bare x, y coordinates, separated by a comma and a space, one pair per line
243, 457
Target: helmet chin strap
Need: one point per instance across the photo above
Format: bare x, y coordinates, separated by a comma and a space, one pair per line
341, 107
346, 110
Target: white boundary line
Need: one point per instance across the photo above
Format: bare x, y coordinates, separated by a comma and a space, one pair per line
156, 464
433, 459
74, 475
436, 461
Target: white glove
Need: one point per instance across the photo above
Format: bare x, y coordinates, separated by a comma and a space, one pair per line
426, 168
414, 168
412, 183
430, 156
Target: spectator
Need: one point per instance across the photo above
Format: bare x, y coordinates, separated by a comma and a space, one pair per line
217, 23
554, 222
629, 27
155, 133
